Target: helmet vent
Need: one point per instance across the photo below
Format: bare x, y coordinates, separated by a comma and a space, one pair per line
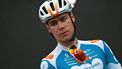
41, 13
64, 2
45, 10
52, 6
60, 3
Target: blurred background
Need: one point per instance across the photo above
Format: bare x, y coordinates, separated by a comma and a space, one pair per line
24, 40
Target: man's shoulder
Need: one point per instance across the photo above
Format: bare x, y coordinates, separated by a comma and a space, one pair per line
92, 44
94, 41
51, 56
50, 59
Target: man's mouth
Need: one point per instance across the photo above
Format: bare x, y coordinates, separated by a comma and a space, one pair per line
63, 34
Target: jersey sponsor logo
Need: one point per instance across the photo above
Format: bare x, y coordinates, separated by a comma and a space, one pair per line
96, 64
69, 60
90, 53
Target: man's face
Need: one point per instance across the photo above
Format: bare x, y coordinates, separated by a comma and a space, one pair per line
61, 27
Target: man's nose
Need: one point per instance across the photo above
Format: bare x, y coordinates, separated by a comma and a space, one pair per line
61, 25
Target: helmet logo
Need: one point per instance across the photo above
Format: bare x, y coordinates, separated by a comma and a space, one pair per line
56, 9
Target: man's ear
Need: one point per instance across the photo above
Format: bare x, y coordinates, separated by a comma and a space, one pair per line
72, 16
48, 28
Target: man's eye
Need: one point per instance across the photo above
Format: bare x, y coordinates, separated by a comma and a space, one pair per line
53, 23
63, 18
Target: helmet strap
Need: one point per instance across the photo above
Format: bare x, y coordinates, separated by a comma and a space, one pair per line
74, 34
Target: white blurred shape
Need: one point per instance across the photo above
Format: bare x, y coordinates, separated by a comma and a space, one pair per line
72, 2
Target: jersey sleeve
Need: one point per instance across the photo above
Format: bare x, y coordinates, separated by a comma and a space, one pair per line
46, 65
111, 61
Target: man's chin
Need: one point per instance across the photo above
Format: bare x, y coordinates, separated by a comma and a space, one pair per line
65, 40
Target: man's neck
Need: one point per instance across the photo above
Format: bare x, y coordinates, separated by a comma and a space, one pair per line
69, 43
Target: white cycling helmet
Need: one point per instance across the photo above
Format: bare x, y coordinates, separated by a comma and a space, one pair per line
52, 8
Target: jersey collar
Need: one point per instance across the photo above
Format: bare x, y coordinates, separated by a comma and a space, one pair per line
61, 47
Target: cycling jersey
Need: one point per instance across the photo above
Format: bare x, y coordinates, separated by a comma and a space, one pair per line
98, 52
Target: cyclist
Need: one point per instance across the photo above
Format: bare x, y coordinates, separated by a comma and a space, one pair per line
71, 53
